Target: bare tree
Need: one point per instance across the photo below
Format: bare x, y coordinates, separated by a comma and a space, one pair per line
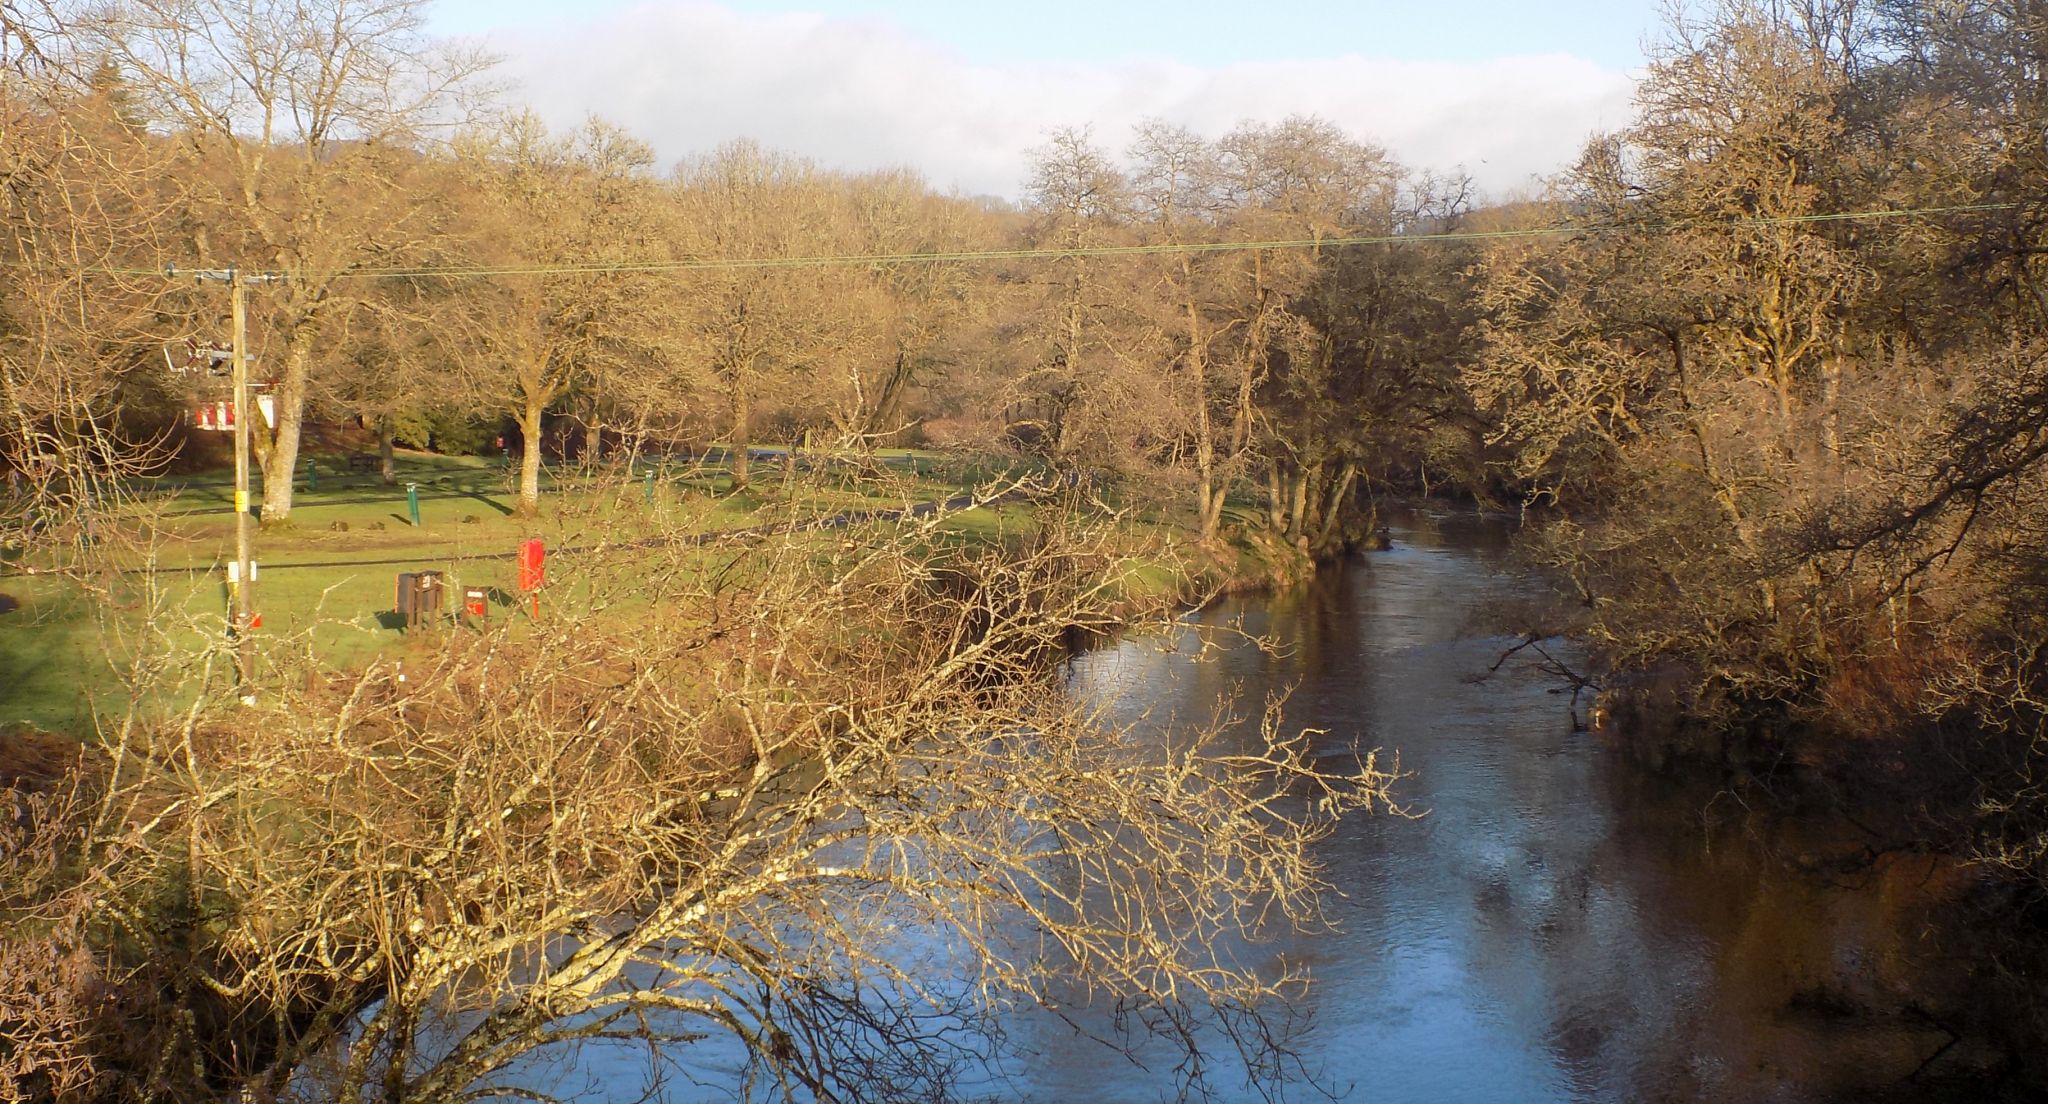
1696, 349
761, 311
1079, 198
580, 831
1176, 180
299, 117
923, 306
550, 216
84, 398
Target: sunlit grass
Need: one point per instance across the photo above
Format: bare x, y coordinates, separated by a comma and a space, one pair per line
326, 581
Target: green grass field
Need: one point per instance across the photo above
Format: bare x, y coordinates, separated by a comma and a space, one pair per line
327, 579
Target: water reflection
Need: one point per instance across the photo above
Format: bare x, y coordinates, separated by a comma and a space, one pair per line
1555, 927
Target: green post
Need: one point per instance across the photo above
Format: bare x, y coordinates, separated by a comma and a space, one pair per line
412, 502
312, 476
650, 486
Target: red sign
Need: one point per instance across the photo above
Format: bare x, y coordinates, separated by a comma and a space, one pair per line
532, 565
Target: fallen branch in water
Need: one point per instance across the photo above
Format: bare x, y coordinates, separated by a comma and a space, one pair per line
1553, 666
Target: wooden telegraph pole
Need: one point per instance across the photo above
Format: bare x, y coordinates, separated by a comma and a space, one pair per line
245, 567
242, 577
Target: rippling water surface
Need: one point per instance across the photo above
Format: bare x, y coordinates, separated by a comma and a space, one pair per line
1554, 927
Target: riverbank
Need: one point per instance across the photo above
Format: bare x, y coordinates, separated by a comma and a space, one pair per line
676, 769
86, 599
1561, 925
1921, 807
120, 636
1860, 947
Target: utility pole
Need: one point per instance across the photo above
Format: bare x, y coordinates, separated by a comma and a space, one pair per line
242, 578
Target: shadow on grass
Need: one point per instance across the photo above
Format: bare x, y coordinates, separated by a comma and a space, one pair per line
392, 619
493, 503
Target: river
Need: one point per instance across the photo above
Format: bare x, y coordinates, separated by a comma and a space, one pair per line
1558, 926
1555, 925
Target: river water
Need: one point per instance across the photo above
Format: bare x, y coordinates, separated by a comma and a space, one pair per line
1555, 926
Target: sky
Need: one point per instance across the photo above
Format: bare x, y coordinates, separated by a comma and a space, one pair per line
961, 92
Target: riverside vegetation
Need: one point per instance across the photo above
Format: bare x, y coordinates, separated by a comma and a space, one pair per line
1763, 371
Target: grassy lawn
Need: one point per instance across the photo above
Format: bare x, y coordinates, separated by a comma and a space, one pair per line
327, 579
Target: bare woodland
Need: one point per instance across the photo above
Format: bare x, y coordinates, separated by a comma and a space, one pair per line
1763, 373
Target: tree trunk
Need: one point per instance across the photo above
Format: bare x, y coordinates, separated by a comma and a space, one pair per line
1333, 509
741, 438
1831, 415
1208, 499
1298, 507
1209, 504
1212, 512
883, 419
528, 418
1724, 489
387, 460
282, 457
593, 442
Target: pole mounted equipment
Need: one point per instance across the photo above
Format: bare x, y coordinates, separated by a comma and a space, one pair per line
241, 585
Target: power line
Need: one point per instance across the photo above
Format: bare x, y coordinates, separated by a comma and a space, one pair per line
849, 260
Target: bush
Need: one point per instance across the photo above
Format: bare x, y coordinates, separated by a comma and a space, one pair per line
448, 430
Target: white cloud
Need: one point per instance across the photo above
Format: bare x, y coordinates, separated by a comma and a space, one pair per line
861, 94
